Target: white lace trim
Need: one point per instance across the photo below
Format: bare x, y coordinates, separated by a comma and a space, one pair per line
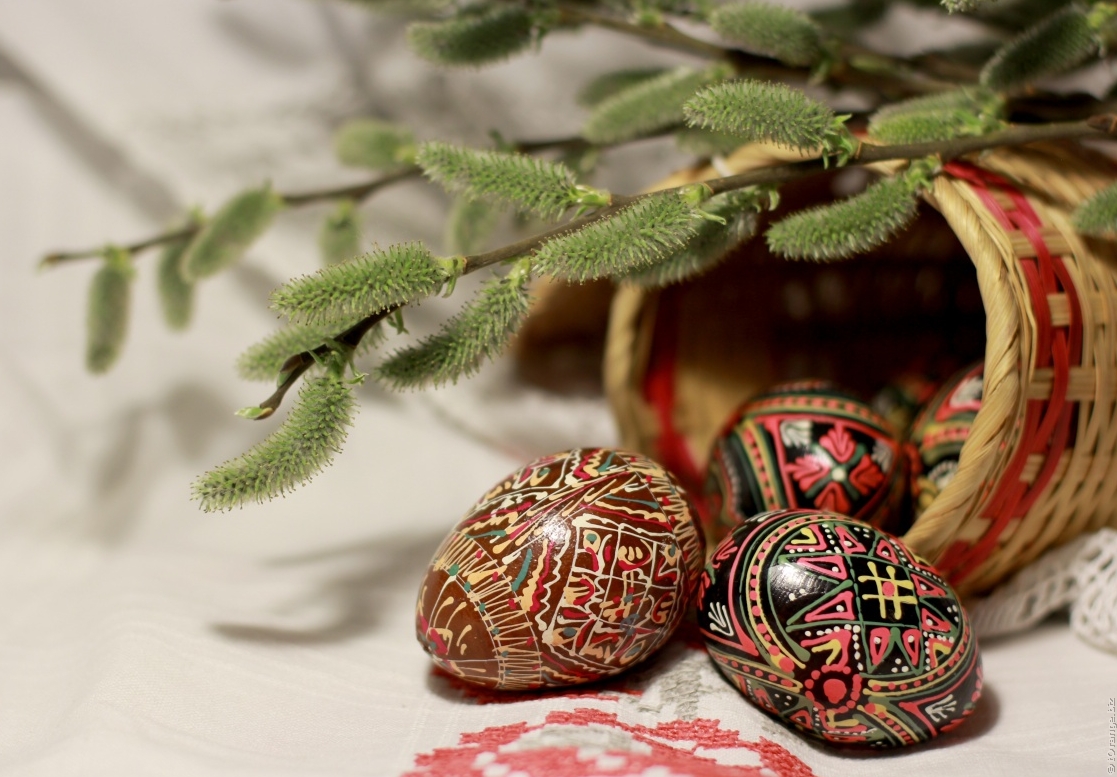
1081, 574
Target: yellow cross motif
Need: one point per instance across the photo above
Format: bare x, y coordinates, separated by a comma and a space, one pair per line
888, 590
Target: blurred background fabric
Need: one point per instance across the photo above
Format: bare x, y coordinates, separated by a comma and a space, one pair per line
141, 636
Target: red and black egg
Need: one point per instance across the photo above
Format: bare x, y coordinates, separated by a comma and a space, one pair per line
939, 433
804, 445
837, 630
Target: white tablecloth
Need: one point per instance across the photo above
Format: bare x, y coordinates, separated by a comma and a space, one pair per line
139, 636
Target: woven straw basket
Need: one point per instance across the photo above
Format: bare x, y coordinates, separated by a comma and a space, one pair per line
1039, 466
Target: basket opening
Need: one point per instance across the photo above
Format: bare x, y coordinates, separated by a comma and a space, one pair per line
912, 306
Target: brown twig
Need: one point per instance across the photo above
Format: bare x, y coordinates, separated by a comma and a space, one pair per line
296, 365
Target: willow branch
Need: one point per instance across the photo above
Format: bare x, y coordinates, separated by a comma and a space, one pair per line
662, 34
856, 66
1100, 126
357, 192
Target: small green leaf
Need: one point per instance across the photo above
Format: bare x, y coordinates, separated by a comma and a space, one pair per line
1098, 214
301, 447
228, 235
851, 226
605, 86
254, 413
477, 35
1054, 45
479, 332
176, 295
768, 112
110, 296
648, 106
518, 180
374, 144
638, 235
785, 34
710, 244
339, 239
364, 285
469, 225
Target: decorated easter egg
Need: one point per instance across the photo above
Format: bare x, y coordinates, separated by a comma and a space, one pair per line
836, 629
572, 569
939, 433
803, 445
902, 399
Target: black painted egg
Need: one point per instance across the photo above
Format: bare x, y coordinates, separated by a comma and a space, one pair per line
940, 431
804, 445
838, 630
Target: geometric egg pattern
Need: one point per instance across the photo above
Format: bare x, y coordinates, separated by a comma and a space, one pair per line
573, 568
838, 630
940, 431
804, 445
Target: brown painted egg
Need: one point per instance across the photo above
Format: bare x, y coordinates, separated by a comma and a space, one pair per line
574, 568
836, 629
939, 433
804, 445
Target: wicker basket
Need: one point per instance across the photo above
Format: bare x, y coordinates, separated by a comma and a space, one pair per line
1038, 468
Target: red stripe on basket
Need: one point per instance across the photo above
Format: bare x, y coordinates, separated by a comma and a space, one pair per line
1048, 424
1044, 332
671, 448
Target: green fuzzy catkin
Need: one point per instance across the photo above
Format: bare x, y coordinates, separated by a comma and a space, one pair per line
649, 106
405, 7
760, 111
1054, 45
702, 142
301, 447
374, 144
110, 296
176, 295
469, 225
851, 226
942, 116
339, 238
475, 36
479, 332
227, 236
263, 360
605, 86
709, 245
976, 99
518, 180
770, 30
638, 235
930, 126
938, 117
364, 285
1098, 214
